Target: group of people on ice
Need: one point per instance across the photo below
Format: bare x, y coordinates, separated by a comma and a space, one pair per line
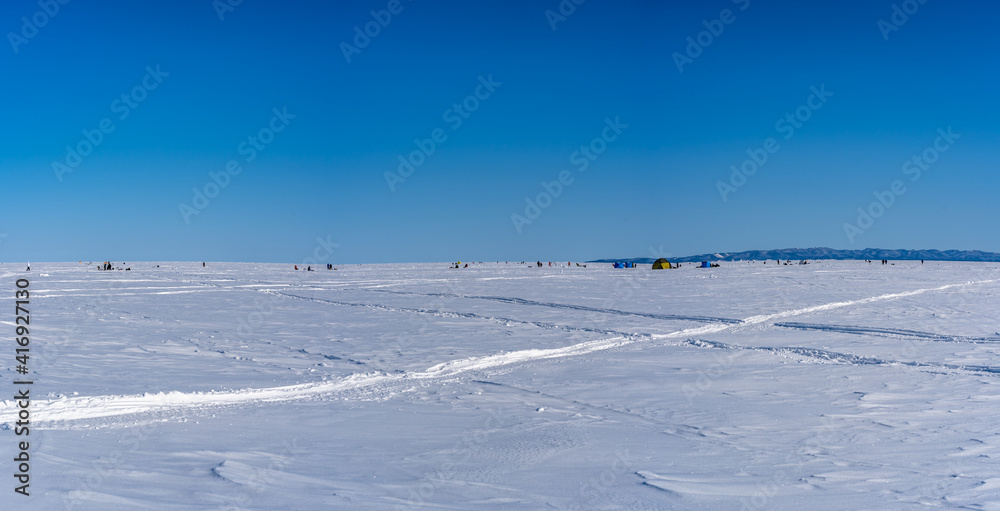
310, 268
108, 266
539, 264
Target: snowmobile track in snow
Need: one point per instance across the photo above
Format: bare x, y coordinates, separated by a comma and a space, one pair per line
860, 330
49, 414
453, 314
522, 301
826, 356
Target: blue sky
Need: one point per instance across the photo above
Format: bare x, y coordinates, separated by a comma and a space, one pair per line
331, 172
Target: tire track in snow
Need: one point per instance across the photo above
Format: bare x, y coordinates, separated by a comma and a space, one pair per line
837, 357
522, 301
48, 413
897, 332
452, 314
441, 313
836, 305
81, 408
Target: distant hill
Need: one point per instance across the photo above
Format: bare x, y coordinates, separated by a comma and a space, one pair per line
829, 253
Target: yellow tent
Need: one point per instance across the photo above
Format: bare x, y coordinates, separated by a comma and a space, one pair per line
662, 264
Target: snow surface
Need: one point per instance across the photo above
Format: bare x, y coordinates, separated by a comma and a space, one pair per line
834, 385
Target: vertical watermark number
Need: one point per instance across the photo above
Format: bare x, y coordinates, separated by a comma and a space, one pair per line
22, 396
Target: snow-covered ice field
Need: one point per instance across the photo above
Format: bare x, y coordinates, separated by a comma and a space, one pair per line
834, 385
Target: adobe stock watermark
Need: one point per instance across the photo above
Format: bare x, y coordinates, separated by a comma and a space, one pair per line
825, 436
566, 9
454, 116
249, 148
372, 29
223, 7
258, 479
462, 451
899, 16
723, 366
759, 156
913, 167
30, 26
123, 106
109, 465
713, 29
633, 281
595, 487
442, 299
581, 158
321, 253
623, 289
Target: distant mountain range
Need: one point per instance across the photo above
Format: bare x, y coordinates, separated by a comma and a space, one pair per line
828, 253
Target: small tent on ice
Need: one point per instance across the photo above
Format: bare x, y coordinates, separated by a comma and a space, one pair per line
662, 264
704, 264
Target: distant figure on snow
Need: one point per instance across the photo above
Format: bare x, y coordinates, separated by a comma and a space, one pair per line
203, 264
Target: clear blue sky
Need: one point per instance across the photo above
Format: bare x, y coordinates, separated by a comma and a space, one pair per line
656, 184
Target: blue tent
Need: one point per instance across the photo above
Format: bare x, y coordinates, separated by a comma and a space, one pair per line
704, 264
